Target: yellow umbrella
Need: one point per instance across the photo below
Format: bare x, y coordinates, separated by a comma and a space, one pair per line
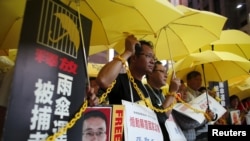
217, 65
242, 88
232, 40
113, 20
94, 68
11, 13
237, 80
187, 33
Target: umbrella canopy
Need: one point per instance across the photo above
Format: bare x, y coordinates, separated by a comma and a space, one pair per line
237, 80
94, 68
232, 40
11, 13
187, 33
113, 20
241, 89
218, 66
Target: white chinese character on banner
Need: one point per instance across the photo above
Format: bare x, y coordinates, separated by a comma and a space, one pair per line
64, 84
62, 107
37, 136
58, 124
44, 92
41, 118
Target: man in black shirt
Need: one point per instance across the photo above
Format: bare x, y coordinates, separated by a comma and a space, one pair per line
140, 58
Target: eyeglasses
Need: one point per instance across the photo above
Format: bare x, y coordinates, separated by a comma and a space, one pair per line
90, 134
162, 71
149, 56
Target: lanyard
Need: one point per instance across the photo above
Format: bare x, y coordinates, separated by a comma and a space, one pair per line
155, 94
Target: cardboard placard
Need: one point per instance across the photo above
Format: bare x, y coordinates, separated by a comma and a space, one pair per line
140, 123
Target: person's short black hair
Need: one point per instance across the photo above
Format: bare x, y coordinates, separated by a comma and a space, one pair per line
144, 42
193, 74
233, 97
140, 49
95, 113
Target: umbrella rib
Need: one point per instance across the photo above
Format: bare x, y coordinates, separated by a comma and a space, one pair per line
177, 36
18, 18
97, 18
242, 52
242, 68
216, 71
132, 7
237, 64
188, 15
170, 53
181, 24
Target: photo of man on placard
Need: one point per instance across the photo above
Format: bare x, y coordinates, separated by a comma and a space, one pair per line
96, 123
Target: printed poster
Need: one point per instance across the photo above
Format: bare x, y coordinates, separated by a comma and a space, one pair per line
200, 103
235, 117
174, 131
104, 122
49, 80
140, 123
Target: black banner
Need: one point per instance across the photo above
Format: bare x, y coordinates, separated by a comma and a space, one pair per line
50, 75
221, 89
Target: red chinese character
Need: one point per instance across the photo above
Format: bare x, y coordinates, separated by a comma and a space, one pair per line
40, 55
47, 57
68, 66
132, 121
51, 59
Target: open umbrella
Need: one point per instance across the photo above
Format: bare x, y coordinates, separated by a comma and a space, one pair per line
217, 65
11, 13
94, 68
240, 88
213, 65
237, 80
113, 20
232, 40
186, 34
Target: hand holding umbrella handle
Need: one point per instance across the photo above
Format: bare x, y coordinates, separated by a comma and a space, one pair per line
211, 114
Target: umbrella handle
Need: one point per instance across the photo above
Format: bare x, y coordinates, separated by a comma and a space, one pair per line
215, 115
138, 48
87, 83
